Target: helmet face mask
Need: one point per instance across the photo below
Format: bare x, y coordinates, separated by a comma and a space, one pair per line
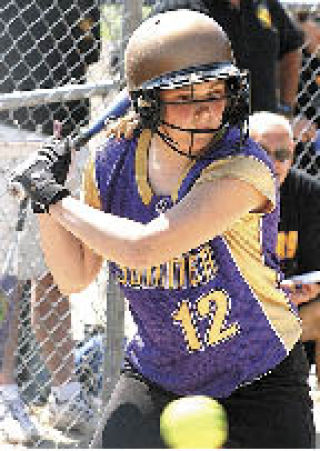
148, 102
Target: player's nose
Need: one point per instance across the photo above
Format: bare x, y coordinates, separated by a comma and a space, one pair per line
203, 113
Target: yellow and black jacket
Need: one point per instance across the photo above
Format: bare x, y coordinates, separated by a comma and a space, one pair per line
299, 229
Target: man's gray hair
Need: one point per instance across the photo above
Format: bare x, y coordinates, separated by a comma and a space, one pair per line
262, 121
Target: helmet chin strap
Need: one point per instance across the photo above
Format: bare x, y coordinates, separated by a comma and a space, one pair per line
166, 138
190, 130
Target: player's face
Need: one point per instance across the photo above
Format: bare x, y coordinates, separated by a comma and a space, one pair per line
189, 109
280, 147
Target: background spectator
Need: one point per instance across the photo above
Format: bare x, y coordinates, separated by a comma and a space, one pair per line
299, 227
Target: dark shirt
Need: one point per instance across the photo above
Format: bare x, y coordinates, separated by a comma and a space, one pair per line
261, 33
299, 228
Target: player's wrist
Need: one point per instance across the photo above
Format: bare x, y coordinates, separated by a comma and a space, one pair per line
44, 197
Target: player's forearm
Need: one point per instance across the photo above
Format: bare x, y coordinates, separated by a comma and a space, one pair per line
289, 77
113, 238
136, 245
64, 256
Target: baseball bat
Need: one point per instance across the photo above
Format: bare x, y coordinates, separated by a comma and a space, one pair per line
117, 108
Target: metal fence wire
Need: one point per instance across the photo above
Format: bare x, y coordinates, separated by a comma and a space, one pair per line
61, 65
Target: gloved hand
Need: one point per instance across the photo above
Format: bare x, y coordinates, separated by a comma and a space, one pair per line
42, 175
40, 185
58, 154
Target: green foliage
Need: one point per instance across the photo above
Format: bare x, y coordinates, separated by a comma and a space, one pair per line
111, 17
3, 306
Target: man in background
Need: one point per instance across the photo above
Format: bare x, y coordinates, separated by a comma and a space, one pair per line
299, 228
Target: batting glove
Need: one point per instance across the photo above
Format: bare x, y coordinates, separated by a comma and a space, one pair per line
42, 188
58, 155
42, 175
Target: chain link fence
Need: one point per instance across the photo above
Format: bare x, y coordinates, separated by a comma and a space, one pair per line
308, 97
61, 65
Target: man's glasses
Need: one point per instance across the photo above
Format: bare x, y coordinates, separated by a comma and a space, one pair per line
281, 155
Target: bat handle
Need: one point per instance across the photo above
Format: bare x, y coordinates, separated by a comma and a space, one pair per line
22, 214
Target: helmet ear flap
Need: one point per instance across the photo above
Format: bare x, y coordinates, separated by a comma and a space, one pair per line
146, 102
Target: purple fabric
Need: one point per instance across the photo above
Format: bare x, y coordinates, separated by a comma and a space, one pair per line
159, 350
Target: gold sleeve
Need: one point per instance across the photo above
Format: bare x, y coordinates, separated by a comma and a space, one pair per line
89, 192
247, 168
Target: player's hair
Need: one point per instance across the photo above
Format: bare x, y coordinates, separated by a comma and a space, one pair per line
261, 122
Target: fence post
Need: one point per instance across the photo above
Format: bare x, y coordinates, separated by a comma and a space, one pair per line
131, 18
114, 338
113, 345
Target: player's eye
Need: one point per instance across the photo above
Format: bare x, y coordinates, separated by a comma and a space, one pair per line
209, 98
179, 98
184, 97
215, 93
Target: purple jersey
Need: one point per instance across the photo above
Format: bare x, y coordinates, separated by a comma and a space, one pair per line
214, 318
